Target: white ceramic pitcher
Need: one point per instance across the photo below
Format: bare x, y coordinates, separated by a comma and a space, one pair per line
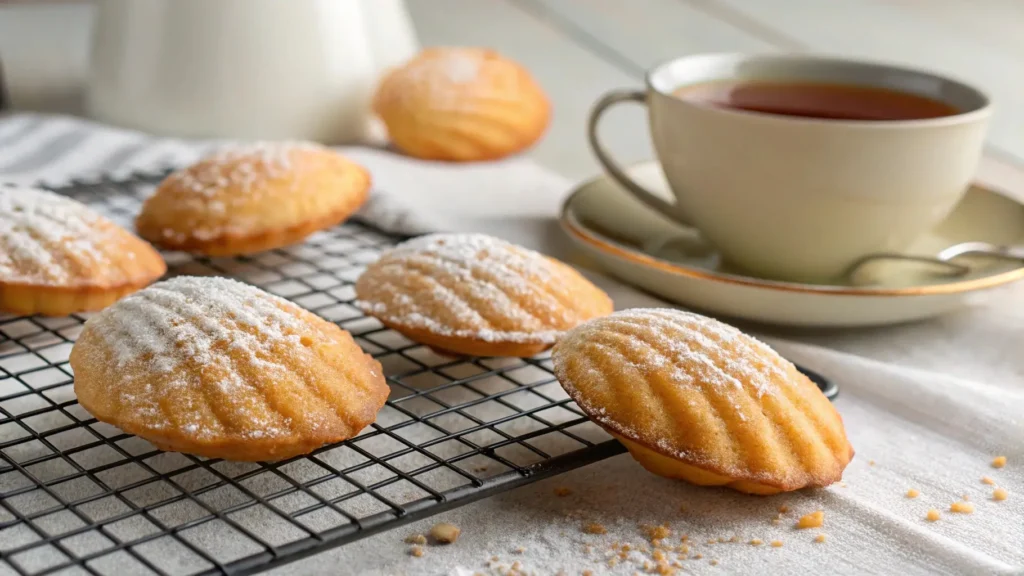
246, 69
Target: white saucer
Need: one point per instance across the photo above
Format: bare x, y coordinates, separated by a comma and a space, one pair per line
651, 252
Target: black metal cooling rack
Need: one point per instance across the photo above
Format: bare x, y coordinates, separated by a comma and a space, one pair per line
79, 496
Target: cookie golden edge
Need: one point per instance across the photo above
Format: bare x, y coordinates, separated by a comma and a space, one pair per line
30, 299
659, 461
235, 244
457, 346
241, 449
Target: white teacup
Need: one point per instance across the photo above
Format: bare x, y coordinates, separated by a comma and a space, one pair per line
802, 198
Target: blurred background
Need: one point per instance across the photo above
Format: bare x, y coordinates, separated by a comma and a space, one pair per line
579, 49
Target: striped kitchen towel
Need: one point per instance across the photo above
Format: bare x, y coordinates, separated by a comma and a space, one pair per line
410, 196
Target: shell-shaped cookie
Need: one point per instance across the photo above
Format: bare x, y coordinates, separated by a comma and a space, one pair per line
462, 104
696, 399
214, 367
477, 295
252, 198
57, 256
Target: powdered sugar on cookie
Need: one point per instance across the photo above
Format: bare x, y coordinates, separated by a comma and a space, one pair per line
186, 329
46, 238
693, 349
246, 166
471, 286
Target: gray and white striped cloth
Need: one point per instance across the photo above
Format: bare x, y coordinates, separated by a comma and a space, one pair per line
410, 196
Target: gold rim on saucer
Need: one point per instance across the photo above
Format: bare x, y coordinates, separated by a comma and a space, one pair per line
582, 234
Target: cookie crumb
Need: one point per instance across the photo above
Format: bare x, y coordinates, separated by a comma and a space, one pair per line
594, 528
684, 549
820, 538
871, 462
961, 507
658, 555
776, 521
713, 562
783, 509
494, 558
416, 539
588, 573
776, 543
1000, 494
697, 556
987, 480
684, 537
712, 540
912, 493
520, 550
999, 461
562, 491
965, 497
416, 551
657, 532
756, 542
933, 515
734, 538
445, 533
813, 520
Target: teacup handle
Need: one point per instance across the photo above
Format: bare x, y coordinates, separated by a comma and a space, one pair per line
669, 209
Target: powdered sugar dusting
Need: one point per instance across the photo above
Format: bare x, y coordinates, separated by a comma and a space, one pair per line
468, 286
694, 350
246, 166
452, 78
178, 328
42, 234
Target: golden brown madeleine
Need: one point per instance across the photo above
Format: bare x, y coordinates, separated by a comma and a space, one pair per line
253, 198
462, 104
696, 399
214, 367
58, 257
477, 295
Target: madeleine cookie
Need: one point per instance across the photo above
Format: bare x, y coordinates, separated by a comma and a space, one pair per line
461, 104
477, 295
214, 367
253, 198
696, 399
58, 257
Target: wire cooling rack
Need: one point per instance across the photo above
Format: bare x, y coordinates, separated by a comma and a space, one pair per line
80, 496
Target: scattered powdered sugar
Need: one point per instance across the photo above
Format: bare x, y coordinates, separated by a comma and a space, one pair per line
695, 350
452, 78
478, 288
246, 166
42, 234
178, 327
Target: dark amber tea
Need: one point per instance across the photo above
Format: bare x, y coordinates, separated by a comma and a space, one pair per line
817, 100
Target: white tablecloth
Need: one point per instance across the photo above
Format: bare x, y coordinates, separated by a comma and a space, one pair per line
926, 407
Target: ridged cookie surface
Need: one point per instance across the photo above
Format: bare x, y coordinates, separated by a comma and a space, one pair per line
697, 399
462, 104
253, 198
478, 295
214, 367
58, 256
